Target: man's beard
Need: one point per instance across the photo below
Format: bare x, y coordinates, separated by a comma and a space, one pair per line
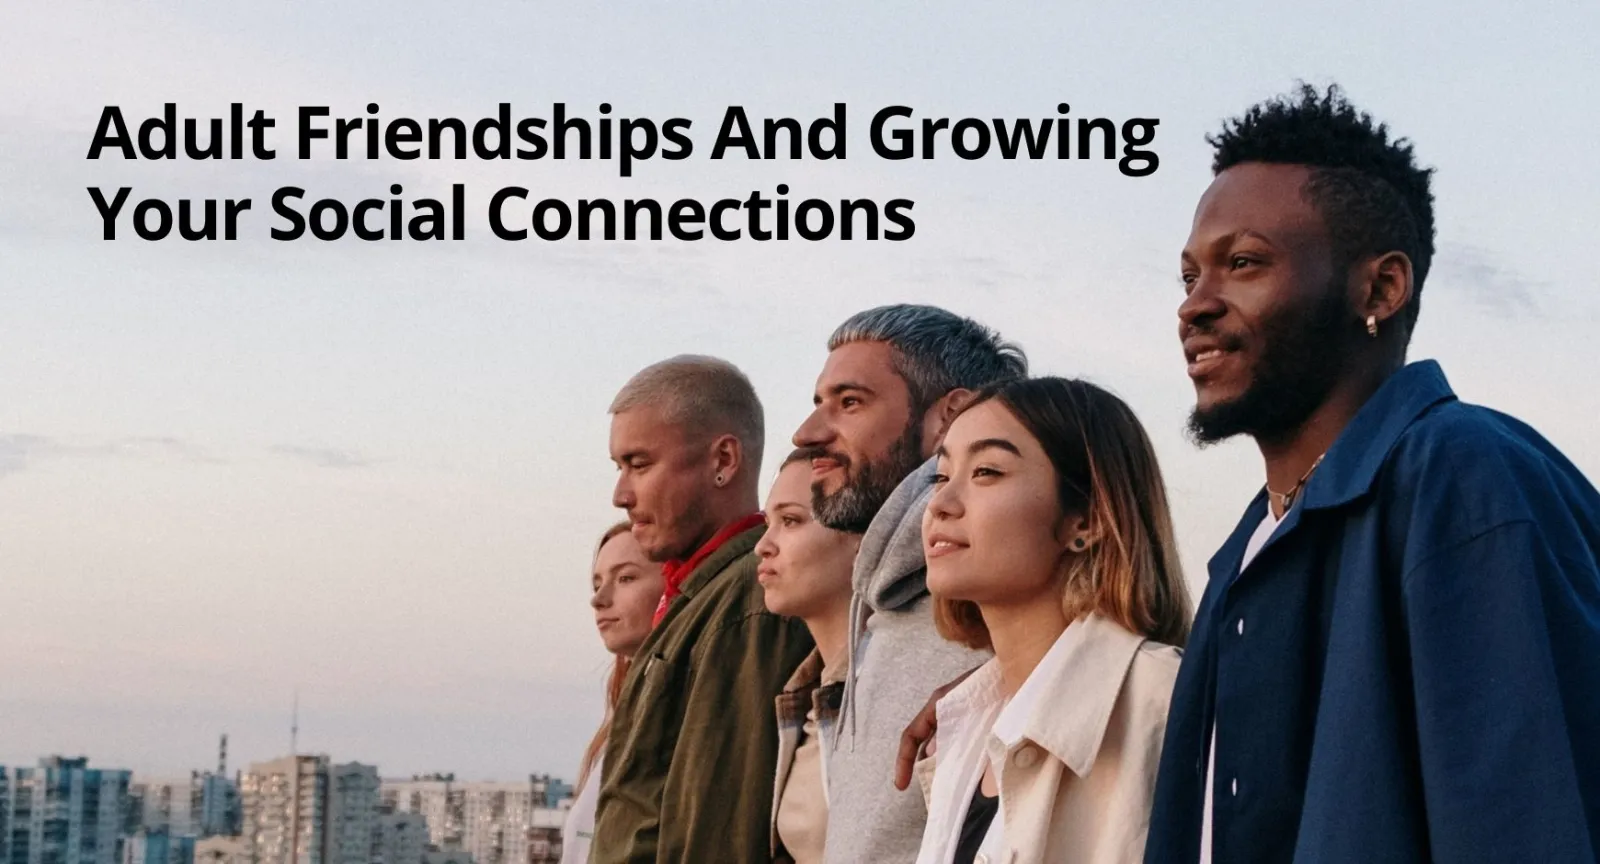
1301, 359
853, 506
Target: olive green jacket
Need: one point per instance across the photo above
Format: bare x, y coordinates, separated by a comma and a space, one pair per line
689, 765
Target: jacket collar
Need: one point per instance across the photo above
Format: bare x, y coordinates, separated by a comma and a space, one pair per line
732, 549
806, 692
1352, 463
808, 675
1065, 705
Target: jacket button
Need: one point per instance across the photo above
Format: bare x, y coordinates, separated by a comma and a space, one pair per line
1027, 757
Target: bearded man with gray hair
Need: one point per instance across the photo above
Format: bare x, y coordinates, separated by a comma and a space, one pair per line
687, 773
894, 379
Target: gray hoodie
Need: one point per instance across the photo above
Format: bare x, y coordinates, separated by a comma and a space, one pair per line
897, 662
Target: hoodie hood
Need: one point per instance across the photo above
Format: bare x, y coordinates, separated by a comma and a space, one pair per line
897, 658
890, 571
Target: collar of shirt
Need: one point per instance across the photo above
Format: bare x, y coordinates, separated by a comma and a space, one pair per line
1065, 704
1351, 465
674, 573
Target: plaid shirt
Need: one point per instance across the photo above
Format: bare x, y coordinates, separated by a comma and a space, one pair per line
804, 692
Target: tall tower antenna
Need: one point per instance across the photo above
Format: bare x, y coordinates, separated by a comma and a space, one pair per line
294, 726
222, 757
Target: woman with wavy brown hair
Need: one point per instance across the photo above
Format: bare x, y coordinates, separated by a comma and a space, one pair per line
627, 588
1049, 542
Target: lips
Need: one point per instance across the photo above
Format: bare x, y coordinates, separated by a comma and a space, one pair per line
605, 623
1206, 354
825, 464
940, 545
765, 574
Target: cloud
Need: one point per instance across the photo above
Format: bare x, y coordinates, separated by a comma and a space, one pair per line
1475, 275
15, 450
322, 457
20, 451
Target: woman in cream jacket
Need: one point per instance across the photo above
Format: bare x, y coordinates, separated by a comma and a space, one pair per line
1049, 541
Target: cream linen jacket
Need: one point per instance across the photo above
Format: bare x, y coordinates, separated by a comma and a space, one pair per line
1075, 751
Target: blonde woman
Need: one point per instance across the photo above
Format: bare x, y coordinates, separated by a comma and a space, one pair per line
627, 588
1049, 541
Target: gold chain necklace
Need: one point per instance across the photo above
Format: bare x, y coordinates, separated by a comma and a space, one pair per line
1286, 499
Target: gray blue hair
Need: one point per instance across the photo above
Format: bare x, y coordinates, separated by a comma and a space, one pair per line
935, 350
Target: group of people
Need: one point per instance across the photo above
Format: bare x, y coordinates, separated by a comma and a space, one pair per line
957, 630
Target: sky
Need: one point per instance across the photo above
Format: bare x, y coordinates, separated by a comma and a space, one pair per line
371, 474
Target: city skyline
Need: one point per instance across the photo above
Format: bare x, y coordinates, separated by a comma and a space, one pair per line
298, 809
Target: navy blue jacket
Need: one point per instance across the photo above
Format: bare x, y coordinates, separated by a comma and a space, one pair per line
1409, 670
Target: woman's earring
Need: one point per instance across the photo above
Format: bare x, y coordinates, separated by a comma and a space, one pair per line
720, 481
1079, 544
1372, 326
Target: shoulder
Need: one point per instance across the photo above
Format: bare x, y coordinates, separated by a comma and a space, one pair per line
733, 605
734, 592
1466, 469
1147, 691
1460, 444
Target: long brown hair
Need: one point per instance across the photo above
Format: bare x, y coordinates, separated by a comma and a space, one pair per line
1106, 470
619, 671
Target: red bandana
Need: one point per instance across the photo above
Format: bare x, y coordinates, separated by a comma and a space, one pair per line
674, 572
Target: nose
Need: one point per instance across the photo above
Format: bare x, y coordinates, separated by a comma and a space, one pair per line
945, 503
814, 432
1201, 306
766, 547
622, 494
601, 598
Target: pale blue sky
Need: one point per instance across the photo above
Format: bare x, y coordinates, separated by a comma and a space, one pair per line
374, 471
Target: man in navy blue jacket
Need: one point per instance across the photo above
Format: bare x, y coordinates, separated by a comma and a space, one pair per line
1397, 657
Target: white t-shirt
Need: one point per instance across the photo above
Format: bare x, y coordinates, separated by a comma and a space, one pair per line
577, 833
1269, 524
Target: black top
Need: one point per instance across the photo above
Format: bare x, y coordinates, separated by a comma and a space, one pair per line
980, 813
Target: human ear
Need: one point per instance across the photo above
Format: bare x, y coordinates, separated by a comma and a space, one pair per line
1385, 285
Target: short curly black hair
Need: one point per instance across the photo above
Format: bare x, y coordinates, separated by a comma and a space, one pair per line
1369, 189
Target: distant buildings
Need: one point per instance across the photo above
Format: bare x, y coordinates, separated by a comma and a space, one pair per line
158, 847
204, 805
285, 810
544, 835
437, 799
219, 809
170, 806
220, 850
400, 838
295, 810
495, 823
62, 812
352, 813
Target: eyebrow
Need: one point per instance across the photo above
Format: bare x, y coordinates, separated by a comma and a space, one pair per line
981, 445
1227, 240
790, 505
842, 388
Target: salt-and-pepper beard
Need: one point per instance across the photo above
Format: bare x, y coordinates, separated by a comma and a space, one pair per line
852, 507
